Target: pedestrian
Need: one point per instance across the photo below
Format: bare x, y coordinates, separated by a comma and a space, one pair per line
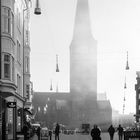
96, 133
38, 132
111, 131
25, 131
50, 134
57, 131
120, 132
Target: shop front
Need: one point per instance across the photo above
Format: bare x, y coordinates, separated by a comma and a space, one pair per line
3, 117
11, 121
14, 120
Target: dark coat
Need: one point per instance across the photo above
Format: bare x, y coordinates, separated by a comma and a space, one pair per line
120, 130
38, 131
25, 129
95, 133
111, 130
57, 129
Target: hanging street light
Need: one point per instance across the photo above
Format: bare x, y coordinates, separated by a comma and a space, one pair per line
57, 68
127, 65
51, 86
37, 10
125, 83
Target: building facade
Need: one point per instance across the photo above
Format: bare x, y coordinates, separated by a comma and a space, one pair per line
15, 85
52, 107
137, 88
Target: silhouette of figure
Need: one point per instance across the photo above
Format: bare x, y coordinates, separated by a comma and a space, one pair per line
25, 132
111, 131
57, 130
50, 134
38, 132
120, 132
95, 133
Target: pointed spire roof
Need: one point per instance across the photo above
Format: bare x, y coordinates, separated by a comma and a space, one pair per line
82, 18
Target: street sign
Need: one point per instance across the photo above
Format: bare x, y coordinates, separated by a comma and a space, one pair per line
11, 104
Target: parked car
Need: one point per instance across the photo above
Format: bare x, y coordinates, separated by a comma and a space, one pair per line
44, 133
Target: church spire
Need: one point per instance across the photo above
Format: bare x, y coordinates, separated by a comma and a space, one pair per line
82, 19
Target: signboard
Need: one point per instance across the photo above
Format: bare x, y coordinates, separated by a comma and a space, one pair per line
131, 134
11, 104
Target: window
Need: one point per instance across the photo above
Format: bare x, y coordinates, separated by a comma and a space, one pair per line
27, 38
6, 66
27, 91
12, 25
13, 70
18, 18
7, 21
26, 64
18, 51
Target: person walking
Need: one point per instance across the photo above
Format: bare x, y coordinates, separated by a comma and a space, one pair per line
120, 132
57, 131
111, 131
38, 132
95, 133
50, 134
25, 132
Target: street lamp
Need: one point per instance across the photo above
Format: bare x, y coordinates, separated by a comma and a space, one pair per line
57, 68
127, 65
51, 88
125, 87
37, 10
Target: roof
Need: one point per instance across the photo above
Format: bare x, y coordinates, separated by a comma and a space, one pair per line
104, 104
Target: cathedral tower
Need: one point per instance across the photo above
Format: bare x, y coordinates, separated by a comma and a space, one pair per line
83, 54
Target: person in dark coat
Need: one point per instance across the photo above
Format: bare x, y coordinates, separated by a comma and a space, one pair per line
120, 132
57, 131
50, 134
38, 132
25, 131
96, 133
111, 131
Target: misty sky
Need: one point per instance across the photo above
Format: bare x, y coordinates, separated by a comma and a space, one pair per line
116, 27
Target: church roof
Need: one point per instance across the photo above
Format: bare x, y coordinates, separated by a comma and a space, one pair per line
104, 104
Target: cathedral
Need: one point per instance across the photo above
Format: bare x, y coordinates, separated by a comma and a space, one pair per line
80, 105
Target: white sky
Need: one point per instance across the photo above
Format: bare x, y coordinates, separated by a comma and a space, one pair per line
116, 27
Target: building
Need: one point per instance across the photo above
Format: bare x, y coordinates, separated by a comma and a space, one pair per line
52, 107
83, 71
80, 106
137, 88
15, 85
